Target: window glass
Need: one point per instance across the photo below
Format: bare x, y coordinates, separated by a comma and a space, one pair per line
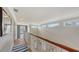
7, 28
39, 26
21, 36
34, 26
53, 24
44, 26
22, 29
72, 23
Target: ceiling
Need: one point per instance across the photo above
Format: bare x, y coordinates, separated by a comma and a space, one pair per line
36, 15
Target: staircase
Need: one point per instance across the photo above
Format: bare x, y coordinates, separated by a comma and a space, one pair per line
20, 46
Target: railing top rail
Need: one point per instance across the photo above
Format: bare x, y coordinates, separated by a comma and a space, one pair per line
57, 44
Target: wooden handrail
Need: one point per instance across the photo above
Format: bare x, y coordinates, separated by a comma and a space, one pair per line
57, 44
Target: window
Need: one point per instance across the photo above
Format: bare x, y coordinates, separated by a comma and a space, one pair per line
39, 26
53, 24
7, 28
22, 36
43, 26
72, 23
77, 23
21, 31
34, 26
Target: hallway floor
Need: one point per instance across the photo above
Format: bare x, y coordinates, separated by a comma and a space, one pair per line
19, 41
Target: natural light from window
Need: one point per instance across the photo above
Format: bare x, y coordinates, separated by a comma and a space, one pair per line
53, 24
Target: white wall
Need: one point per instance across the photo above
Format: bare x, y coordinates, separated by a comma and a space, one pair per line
6, 43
